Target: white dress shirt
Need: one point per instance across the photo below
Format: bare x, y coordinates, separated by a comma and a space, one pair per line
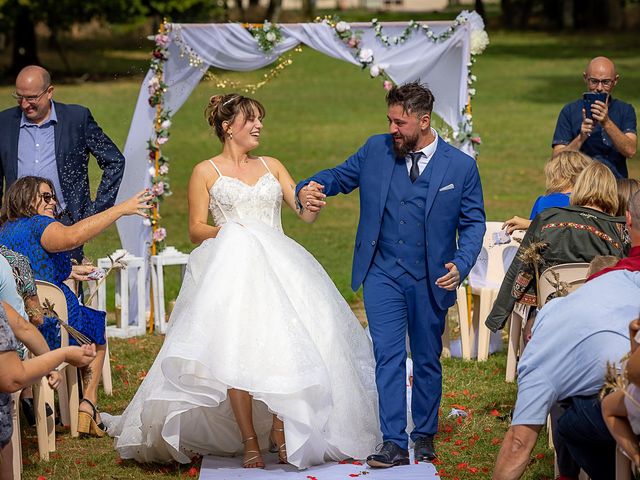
427, 153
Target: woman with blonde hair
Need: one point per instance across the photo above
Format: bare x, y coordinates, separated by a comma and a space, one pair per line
573, 234
560, 172
261, 349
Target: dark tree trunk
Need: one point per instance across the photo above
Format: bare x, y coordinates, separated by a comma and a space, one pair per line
309, 9
525, 14
507, 13
273, 12
479, 6
25, 48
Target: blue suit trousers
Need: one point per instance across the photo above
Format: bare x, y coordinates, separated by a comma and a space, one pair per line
395, 306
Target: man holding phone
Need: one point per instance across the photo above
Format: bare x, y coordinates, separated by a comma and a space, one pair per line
599, 125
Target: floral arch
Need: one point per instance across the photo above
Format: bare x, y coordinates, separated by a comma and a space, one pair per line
439, 53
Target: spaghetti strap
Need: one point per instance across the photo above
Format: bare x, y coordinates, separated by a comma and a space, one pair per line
217, 170
265, 165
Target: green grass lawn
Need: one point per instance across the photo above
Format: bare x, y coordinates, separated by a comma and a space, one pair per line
318, 112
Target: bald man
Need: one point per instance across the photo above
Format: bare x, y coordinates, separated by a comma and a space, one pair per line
53, 140
610, 136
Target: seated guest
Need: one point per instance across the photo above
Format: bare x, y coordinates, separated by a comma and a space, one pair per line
28, 226
572, 234
621, 408
626, 188
565, 362
16, 374
582, 428
600, 262
560, 173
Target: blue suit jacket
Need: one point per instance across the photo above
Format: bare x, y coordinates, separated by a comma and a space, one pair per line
454, 209
76, 135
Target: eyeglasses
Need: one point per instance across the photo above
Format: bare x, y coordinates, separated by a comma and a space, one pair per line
48, 197
593, 82
32, 99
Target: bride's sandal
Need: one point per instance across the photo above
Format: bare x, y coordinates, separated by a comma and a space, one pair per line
254, 461
281, 450
87, 423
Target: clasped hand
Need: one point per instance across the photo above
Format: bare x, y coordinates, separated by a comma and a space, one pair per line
311, 197
599, 113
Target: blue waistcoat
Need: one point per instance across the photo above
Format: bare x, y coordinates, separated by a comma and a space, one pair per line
401, 246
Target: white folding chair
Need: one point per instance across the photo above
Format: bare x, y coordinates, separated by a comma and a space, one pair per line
16, 439
485, 279
561, 279
68, 392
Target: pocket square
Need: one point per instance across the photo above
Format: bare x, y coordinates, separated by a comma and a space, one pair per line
447, 187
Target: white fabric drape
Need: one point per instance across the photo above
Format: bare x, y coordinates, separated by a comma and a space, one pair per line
443, 65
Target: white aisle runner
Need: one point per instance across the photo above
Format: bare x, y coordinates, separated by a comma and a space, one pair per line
224, 468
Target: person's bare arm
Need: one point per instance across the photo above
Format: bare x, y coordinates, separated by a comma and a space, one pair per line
61, 238
515, 452
289, 189
586, 128
198, 196
25, 332
16, 374
625, 143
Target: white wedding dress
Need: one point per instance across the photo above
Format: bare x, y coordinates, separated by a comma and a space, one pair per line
255, 312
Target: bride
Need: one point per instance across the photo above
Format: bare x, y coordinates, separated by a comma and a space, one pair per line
261, 350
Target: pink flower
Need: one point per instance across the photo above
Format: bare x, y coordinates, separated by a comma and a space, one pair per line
476, 140
164, 169
158, 188
162, 140
353, 42
159, 235
162, 40
387, 85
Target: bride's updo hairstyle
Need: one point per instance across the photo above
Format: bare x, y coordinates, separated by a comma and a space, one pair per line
225, 108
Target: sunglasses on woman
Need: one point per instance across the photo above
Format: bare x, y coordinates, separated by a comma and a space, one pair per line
48, 197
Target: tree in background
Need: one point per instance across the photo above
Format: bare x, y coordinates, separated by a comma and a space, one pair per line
20, 17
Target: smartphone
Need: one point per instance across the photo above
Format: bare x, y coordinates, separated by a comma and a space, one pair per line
589, 97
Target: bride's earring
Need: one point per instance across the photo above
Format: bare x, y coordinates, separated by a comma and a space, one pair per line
230, 133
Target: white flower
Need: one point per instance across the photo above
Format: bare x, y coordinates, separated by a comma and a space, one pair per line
146, 222
479, 41
365, 55
374, 20
472, 91
266, 25
342, 27
166, 124
468, 117
164, 169
385, 39
152, 171
473, 18
374, 71
271, 37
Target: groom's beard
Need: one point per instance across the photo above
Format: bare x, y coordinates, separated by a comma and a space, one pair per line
406, 144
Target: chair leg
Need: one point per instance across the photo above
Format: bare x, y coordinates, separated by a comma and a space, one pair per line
446, 339
463, 319
107, 384
49, 398
41, 418
483, 332
513, 347
623, 466
16, 440
74, 398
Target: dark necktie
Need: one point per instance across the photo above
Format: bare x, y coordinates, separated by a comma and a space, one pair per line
414, 172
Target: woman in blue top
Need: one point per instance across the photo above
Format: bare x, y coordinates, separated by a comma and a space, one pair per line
561, 172
29, 227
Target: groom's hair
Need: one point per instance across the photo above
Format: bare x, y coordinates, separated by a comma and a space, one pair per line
414, 97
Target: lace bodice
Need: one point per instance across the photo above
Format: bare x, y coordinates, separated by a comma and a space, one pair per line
232, 199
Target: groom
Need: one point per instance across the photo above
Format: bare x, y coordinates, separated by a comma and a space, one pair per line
418, 195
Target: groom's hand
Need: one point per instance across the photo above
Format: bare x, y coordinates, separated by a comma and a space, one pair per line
311, 197
451, 280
